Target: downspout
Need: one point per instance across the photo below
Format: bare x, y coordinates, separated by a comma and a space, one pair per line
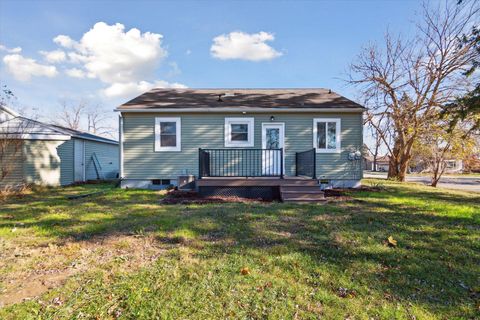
120, 140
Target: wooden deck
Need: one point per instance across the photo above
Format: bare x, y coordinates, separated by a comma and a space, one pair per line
290, 189
255, 182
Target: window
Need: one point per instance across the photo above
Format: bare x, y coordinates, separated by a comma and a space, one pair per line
167, 134
326, 135
239, 132
450, 164
161, 182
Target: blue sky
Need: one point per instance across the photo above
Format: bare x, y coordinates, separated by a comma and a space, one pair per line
304, 44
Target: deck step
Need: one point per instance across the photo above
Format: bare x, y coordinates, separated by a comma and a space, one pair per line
297, 200
286, 188
305, 192
303, 196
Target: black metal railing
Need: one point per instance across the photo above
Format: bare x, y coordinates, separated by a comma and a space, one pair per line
306, 163
240, 163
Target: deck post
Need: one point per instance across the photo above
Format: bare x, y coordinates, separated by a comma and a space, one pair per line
281, 163
314, 163
296, 164
199, 163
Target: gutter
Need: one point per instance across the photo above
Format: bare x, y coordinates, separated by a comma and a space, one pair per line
245, 110
93, 139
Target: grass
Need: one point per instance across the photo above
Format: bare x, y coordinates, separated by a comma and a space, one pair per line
122, 254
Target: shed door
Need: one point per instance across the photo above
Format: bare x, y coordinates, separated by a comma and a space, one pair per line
79, 160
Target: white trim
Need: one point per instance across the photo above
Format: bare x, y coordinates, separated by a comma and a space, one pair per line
178, 122
338, 128
94, 139
246, 109
35, 136
250, 122
120, 138
280, 125
84, 163
10, 111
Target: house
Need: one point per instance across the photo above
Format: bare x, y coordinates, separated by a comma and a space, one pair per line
381, 164
451, 166
32, 152
240, 141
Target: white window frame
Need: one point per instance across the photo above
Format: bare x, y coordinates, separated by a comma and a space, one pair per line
250, 122
338, 127
178, 127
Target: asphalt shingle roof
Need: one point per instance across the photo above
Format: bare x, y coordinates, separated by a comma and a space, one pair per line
239, 98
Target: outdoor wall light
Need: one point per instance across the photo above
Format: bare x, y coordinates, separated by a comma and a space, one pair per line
272, 118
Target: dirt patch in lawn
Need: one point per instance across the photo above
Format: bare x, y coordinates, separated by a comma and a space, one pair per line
28, 272
193, 197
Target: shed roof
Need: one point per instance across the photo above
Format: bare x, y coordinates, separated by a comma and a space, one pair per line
23, 128
245, 99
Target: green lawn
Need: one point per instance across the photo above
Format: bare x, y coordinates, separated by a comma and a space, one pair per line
122, 254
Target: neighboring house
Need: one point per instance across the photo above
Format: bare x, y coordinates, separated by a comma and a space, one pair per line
451, 166
213, 134
44, 154
381, 164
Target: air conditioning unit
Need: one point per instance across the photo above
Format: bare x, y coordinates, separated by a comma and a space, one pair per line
186, 182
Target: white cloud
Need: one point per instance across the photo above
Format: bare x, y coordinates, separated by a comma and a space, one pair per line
244, 46
75, 73
10, 50
125, 60
112, 55
64, 41
55, 56
126, 89
24, 68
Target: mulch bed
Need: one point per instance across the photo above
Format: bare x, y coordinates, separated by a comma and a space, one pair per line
193, 197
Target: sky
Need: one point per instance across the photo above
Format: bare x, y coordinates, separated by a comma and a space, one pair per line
107, 52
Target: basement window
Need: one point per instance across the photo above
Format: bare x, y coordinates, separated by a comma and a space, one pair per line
161, 182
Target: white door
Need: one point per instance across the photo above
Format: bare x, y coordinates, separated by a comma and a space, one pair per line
273, 137
79, 160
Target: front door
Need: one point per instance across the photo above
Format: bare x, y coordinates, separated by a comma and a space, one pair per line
79, 160
273, 137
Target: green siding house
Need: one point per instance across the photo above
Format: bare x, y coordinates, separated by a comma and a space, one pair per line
169, 136
32, 152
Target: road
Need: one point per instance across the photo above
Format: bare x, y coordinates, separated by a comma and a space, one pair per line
457, 182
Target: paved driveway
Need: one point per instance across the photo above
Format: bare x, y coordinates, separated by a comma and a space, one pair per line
458, 182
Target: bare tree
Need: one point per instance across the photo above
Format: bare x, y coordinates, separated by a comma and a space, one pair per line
83, 116
98, 121
71, 114
379, 130
409, 80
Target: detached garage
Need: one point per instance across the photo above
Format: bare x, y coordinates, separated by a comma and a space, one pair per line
32, 152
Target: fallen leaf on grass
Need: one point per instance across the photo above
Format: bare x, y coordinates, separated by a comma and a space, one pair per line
245, 271
346, 293
57, 301
391, 242
265, 286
